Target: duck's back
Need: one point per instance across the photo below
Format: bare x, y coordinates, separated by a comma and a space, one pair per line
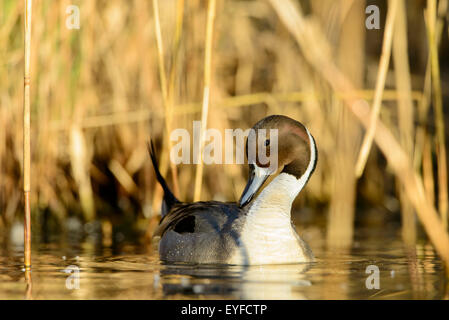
200, 232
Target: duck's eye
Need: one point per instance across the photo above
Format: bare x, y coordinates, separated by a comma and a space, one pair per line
267, 142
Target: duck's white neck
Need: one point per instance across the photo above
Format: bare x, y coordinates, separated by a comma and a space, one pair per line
268, 235
278, 196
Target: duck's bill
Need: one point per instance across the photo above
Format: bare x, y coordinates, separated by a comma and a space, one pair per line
256, 180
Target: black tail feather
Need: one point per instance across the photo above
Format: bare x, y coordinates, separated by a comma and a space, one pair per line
169, 198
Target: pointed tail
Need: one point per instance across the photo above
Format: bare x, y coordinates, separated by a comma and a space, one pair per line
169, 198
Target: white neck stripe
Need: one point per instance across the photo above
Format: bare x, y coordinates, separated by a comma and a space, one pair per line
313, 156
299, 184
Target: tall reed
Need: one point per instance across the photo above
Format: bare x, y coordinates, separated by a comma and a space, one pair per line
405, 113
380, 85
26, 136
167, 102
351, 59
439, 117
206, 95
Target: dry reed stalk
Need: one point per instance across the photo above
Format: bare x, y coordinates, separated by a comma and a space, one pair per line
439, 116
206, 95
116, 118
165, 99
405, 112
122, 176
340, 219
80, 160
312, 42
172, 80
380, 85
427, 169
422, 109
176, 49
423, 145
347, 133
29, 284
169, 112
26, 136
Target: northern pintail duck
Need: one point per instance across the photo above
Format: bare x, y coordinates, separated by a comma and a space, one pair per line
256, 230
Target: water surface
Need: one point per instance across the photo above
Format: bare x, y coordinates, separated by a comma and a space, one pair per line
135, 272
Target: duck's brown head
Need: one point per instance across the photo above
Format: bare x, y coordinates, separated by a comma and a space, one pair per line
278, 142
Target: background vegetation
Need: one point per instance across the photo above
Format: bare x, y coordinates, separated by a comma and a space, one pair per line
98, 94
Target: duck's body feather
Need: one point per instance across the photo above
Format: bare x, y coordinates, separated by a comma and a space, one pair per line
200, 232
210, 232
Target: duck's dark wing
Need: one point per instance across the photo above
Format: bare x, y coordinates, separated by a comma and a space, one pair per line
198, 217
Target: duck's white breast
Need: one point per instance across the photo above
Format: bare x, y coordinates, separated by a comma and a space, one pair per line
267, 236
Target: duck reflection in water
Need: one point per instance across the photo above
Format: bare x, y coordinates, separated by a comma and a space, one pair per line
263, 282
